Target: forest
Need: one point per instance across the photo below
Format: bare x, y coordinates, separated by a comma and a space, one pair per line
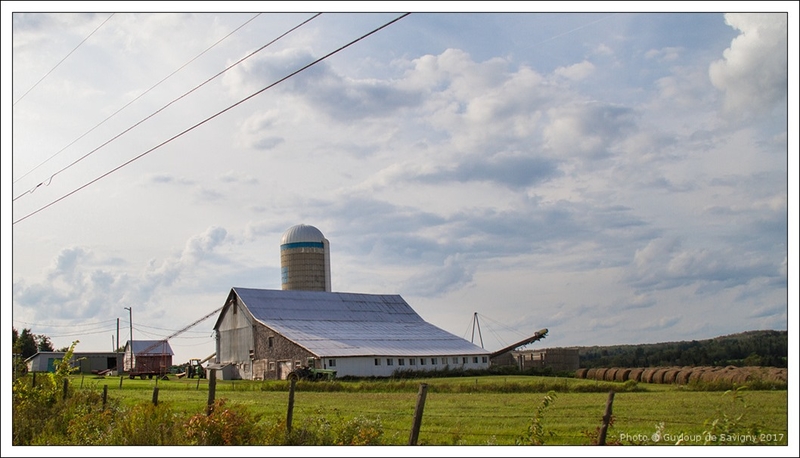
751, 348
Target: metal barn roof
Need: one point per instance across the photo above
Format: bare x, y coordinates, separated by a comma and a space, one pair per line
152, 347
349, 324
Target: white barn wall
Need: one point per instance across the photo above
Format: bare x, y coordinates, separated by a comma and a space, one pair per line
365, 366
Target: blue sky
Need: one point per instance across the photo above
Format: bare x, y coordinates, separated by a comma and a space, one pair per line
616, 177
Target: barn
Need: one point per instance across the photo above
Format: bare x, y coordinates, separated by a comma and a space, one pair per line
86, 362
147, 357
265, 334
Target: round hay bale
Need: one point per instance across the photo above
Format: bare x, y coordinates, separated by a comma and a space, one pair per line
682, 377
647, 375
622, 375
609, 375
778, 374
697, 374
590, 373
713, 375
600, 374
658, 376
636, 374
669, 375
741, 376
581, 372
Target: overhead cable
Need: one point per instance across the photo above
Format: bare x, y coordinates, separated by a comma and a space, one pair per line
210, 118
47, 182
62, 60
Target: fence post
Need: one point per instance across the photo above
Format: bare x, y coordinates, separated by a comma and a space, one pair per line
64, 390
105, 396
212, 388
155, 395
120, 382
606, 419
290, 410
33, 381
81, 381
423, 390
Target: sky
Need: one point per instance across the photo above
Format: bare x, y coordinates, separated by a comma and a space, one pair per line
614, 177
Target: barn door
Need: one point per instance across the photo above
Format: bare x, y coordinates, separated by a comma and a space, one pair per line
284, 367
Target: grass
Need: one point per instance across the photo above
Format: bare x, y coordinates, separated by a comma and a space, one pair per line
490, 410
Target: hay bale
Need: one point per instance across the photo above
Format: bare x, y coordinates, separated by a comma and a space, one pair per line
682, 377
714, 374
697, 374
636, 374
600, 374
778, 374
658, 376
669, 375
741, 376
622, 375
609, 375
647, 375
581, 372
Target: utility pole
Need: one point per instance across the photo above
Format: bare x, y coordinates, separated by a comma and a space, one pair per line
130, 320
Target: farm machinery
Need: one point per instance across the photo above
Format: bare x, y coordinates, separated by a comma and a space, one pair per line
310, 372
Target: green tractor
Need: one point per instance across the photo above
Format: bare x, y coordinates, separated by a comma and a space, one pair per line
309, 372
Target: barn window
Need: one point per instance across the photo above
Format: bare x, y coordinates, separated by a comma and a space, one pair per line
464, 360
272, 366
484, 359
422, 361
401, 362
475, 359
297, 363
412, 361
455, 359
331, 363
377, 361
433, 361
389, 362
270, 341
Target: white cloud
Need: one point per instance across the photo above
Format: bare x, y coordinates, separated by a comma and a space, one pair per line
577, 71
753, 70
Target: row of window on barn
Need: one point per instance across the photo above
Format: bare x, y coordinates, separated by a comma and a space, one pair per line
424, 361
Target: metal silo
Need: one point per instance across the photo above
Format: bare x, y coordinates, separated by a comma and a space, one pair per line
305, 259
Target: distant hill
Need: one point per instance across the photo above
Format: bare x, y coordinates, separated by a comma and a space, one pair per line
751, 348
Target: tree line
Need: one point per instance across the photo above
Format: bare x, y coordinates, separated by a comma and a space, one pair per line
27, 344
752, 348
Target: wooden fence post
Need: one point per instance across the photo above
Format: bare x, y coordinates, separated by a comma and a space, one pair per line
606, 419
423, 390
155, 395
212, 388
290, 411
81, 381
120, 382
64, 390
33, 381
105, 396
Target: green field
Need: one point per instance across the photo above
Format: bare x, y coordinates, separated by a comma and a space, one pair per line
489, 410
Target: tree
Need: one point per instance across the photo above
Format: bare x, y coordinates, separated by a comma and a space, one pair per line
43, 343
25, 344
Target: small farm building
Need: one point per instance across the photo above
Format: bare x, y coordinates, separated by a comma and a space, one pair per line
148, 356
88, 362
265, 334
557, 359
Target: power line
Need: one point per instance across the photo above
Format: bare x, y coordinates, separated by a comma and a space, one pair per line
62, 60
122, 108
211, 117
